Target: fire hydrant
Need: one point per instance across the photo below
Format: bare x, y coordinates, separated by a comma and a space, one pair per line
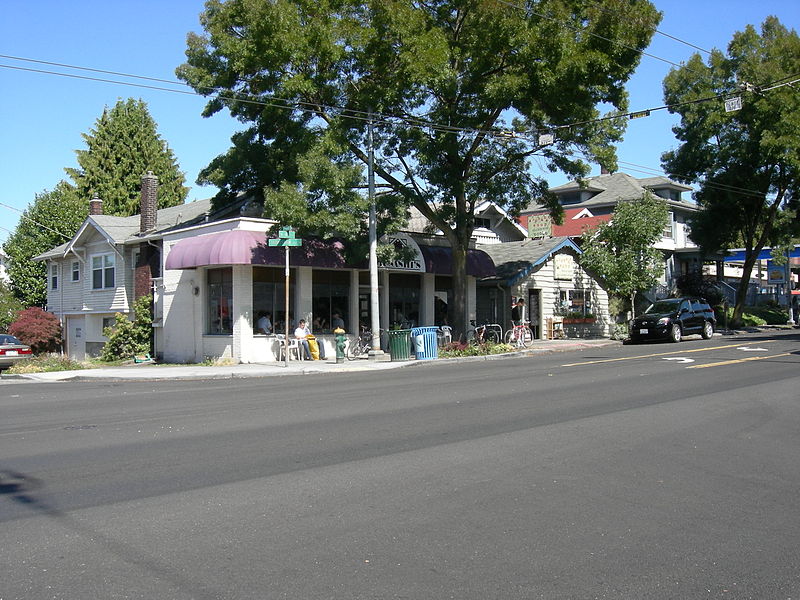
341, 340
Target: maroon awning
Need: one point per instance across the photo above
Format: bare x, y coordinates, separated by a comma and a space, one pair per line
240, 247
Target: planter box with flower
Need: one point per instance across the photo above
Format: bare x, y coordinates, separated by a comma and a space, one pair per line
575, 318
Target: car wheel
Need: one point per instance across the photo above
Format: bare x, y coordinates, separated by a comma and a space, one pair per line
708, 330
675, 333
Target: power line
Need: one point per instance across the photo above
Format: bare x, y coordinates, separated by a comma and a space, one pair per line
24, 216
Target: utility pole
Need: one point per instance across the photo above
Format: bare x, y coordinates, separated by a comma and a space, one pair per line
375, 322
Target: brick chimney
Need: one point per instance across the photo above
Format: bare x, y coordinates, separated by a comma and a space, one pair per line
149, 202
95, 206
148, 265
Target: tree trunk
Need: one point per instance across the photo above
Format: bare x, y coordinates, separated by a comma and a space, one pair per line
459, 316
741, 289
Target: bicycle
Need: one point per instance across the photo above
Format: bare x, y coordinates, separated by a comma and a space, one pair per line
361, 345
520, 335
488, 332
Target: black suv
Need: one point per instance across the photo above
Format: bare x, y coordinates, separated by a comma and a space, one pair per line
673, 318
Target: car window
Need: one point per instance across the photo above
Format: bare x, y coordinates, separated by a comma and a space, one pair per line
685, 304
663, 306
699, 306
9, 339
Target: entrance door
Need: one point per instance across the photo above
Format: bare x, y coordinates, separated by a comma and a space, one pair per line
535, 312
76, 337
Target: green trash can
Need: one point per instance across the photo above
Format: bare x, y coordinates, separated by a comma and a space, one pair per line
400, 344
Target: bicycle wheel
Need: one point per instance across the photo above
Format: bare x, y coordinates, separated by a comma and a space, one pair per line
491, 336
527, 336
355, 349
509, 337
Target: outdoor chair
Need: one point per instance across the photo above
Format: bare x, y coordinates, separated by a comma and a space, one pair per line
294, 347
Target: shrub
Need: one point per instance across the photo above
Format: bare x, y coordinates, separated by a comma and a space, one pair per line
456, 349
45, 363
127, 338
39, 329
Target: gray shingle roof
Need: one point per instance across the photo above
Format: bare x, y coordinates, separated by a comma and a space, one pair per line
513, 260
616, 187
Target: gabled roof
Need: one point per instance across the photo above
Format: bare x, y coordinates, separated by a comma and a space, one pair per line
616, 187
125, 230
417, 223
515, 260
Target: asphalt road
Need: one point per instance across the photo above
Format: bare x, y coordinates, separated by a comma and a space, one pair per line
650, 471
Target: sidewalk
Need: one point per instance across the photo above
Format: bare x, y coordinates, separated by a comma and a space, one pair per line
154, 372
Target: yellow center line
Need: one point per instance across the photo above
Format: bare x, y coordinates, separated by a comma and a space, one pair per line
673, 352
738, 360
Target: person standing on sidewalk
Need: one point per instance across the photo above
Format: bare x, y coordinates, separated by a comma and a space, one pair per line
518, 312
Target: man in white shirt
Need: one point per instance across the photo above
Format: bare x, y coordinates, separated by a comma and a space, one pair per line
301, 333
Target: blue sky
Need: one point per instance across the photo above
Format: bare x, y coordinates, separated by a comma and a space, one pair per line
43, 116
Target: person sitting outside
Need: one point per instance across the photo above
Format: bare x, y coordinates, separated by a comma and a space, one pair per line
301, 333
264, 324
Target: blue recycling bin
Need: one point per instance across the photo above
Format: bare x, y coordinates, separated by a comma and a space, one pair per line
424, 342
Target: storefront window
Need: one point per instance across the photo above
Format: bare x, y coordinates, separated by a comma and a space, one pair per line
269, 296
404, 300
220, 301
331, 299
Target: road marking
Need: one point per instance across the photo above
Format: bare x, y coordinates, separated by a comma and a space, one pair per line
737, 361
674, 351
749, 349
681, 359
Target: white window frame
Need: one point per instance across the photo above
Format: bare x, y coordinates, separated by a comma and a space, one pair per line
53, 277
76, 270
107, 266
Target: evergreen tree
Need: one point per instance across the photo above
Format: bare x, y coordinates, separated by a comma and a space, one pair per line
122, 147
52, 220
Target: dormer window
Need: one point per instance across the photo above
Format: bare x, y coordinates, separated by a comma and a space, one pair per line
570, 198
483, 222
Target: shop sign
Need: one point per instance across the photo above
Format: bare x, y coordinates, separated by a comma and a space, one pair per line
563, 267
540, 226
414, 263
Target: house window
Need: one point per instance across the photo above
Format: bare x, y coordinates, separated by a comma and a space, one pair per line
269, 296
53, 277
483, 222
103, 271
220, 301
668, 228
574, 301
76, 270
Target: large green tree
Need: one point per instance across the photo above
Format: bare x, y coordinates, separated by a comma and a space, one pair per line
52, 220
748, 160
445, 79
621, 251
123, 145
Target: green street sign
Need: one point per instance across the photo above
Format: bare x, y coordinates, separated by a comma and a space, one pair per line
285, 242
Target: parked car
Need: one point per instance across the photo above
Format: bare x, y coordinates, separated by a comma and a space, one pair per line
674, 318
12, 351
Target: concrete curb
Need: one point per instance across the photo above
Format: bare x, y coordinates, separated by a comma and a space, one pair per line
153, 372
